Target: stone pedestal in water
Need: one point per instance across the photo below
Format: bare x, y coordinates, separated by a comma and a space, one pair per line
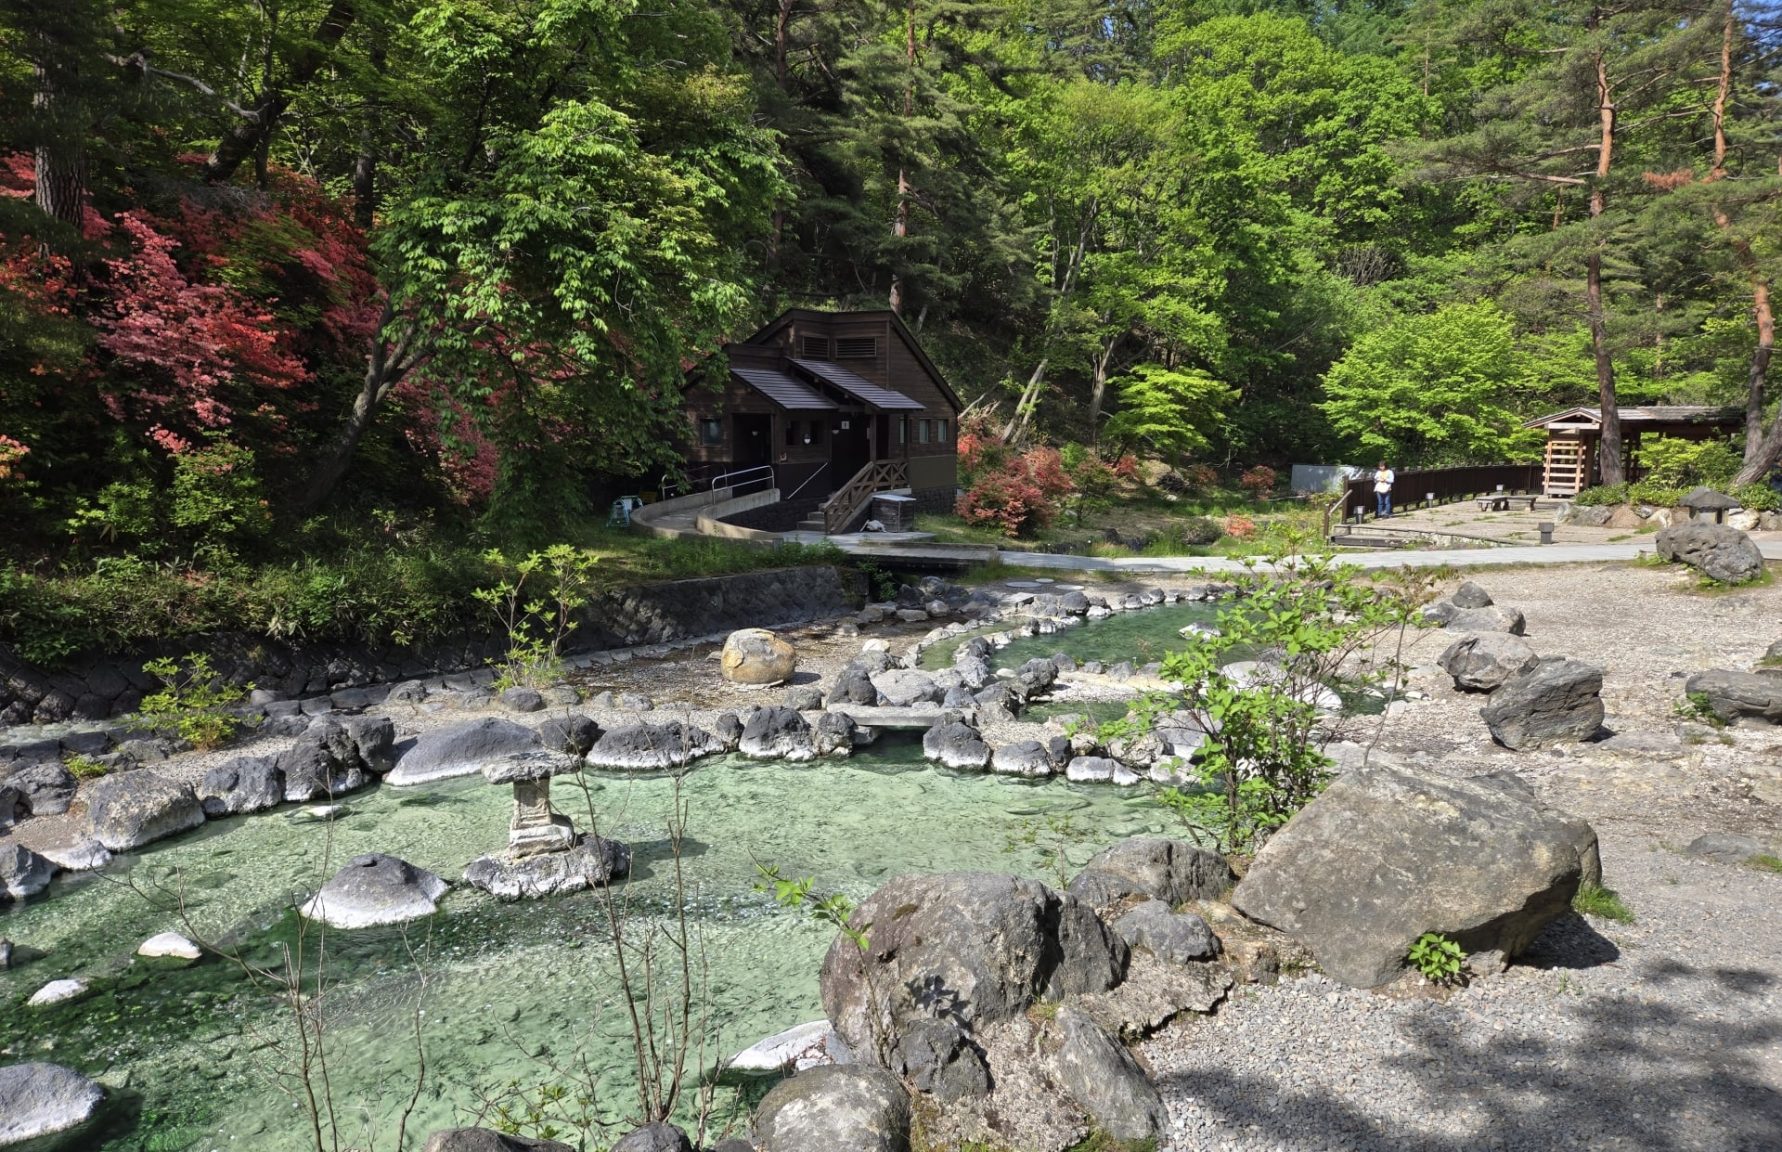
544, 855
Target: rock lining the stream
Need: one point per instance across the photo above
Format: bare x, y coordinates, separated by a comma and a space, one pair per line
374, 890
45, 1105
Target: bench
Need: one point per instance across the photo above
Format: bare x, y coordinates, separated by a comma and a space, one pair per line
1500, 502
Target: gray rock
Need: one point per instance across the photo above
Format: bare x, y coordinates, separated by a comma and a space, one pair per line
1718, 551
131, 809
804, 698
1178, 937
1383, 856
727, 729
1470, 595
996, 702
792, 1050
374, 739
1556, 700
654, 1138
488, 1140
1482, 661
23, 872
1440, 613
1496, 618
975, 946
1154, 867
835, 1108
635, 702
45, 1105
375, 889
13, 807
520, 698
1022, 758
1100, 770
529, 764
1732, 695
853, 685
590, 864
243, 784
1727, 848
776, 733
835, 734
324, 762
1587, 515
574, 734
935, 1057
461, 750
957, 745
652, 747
5, 954
757, 656
902, 687
59, 992
83, 855
46, 786
1105, 1080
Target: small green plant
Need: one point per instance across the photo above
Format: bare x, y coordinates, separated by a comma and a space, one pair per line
832, 909
1050, 836
1698, 707
884, 584
1604, 903
1764, 862
84, 767
1437, 958
193, 702
537, 607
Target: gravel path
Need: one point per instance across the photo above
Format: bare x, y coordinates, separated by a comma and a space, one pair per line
1664, 1034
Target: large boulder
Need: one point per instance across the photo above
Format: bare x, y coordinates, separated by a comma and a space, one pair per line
461, 750
654, 1138
1494, 618
130, 809
1718, 551
853, 685
375, 889
1383, 856
488, 1140
333, 757
1178, 937
757, 656
593, 861
652, 747
1470, 595
1556, 700
1152, 868
1023, 758
1731, 695
956, 744
902, 687
574, 733
46, 786
23, 872
1483, 661
44, 1104
1098, 1071
776, 733
835, 1108
243, 784
974, 946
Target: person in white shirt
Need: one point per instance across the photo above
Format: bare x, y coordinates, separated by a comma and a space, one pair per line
1383, 478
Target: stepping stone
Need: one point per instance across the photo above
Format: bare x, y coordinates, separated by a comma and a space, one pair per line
57, 992
170, 945
1021, 583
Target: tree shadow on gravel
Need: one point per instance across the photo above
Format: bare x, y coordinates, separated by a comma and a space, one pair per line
1570, 942
1611, 1071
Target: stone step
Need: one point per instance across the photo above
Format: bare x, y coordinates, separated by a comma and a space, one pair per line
920, 717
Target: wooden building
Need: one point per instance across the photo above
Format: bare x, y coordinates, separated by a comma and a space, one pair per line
828, 404
1575, 435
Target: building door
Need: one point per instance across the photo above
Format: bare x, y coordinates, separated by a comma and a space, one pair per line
847, 445
754, 439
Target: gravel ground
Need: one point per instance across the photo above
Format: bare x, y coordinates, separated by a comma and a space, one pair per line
1664, 1034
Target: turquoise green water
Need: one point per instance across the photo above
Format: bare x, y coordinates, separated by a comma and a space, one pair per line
505, 991
1140, 637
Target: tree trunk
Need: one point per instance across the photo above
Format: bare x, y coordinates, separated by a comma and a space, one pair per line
900, 227
1018, 421
59, 157
386, 365
370, 131
1098, 388
245, 139
1609, 456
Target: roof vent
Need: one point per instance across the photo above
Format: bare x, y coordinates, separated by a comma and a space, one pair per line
814, 347
857, 348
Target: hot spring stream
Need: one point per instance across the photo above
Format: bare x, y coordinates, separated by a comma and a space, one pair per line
506, 990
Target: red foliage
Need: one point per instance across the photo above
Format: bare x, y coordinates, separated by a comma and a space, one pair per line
1240, 527
11, 453
1126, 468
1020, 493
1258, 481
1200, 477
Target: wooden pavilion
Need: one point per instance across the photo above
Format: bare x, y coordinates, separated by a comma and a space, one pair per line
1574, 437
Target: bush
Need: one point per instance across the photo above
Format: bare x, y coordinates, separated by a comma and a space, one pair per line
1019, 494
1258, 481
1655, 493
1670, 462
1240, 527
193, 702
1757, 497
1200, 530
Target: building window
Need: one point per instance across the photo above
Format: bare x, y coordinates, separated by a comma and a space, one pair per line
903, 430
814, 347
857, 348
940, 431
921, 431
711, 431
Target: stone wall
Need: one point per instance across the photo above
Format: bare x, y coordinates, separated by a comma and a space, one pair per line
96, 685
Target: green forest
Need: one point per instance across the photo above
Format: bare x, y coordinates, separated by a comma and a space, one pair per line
312, 288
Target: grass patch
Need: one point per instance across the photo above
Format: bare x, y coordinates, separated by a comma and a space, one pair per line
1764, 862
84, 767
1595, 900
1099, 1141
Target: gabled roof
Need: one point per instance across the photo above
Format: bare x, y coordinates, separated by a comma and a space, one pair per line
770, 329
860, 388
1647, 414
789, 393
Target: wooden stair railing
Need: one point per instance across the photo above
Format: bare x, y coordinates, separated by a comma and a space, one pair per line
847, 501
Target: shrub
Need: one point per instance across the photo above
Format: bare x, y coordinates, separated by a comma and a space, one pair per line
1240, 527
1595, 900
1258, 481
1757, 497
1655, 493
1019, 494
537, 607
1671, 462
1602, 495
1437, 958
1199, 530
217, 497
1200, 478
193, 702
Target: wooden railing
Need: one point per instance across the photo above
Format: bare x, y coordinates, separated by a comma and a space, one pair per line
847, 501
1426, 487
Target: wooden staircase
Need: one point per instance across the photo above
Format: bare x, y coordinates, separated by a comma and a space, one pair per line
848, 500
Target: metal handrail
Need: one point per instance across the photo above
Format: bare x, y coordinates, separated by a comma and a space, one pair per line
821, 468
664, 486
728, 479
